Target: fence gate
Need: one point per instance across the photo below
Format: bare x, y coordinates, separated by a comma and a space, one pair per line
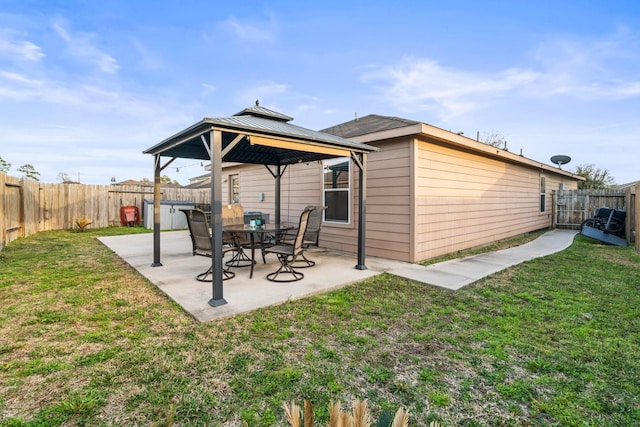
571, 208
574, 206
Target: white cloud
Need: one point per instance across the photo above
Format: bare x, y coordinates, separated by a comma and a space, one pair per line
572, 68
631, 89
306, 107
85, 99
417, 85
82, 47
21, 50
590, 69
208, 89
146, 58
21, 87
255, 31
264, 92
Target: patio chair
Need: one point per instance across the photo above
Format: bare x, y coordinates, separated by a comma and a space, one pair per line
234, 215
311, 236
288, 254
201, 241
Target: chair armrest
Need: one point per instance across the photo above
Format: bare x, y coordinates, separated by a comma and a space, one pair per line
287, 236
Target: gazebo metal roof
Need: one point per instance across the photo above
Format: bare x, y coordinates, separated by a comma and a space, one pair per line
258, 135
255, 135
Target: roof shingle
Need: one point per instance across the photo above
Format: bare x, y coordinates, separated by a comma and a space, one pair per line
368, 124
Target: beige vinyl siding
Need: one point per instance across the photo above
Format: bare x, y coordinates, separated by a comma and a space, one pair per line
464, 200
300, 186
253, 179
389, 201
424, 199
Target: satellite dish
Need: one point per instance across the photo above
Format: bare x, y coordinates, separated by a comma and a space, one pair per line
560, 160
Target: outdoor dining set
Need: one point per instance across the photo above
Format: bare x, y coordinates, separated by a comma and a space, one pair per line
242, 241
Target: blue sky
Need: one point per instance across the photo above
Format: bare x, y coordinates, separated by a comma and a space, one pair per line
86, 86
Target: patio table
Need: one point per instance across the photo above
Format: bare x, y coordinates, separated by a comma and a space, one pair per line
257, 236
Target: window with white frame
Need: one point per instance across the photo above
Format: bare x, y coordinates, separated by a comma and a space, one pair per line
234, 189
336, 179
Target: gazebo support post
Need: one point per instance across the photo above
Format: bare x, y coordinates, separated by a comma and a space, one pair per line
361, 161
156, 212
277, 175
156, 209
277, 195
215, 151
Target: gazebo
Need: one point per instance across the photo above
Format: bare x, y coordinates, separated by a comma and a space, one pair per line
255, 135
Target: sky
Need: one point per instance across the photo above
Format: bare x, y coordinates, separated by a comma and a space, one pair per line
87, 86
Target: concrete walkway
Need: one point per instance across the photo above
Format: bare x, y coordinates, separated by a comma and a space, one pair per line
176, 276
455, 274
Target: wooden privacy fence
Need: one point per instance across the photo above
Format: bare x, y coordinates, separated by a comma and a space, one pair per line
574, 206
29, 207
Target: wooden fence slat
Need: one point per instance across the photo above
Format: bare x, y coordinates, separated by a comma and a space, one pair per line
29, 206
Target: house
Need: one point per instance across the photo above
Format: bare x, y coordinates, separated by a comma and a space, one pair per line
429, 191
627, 185
201, 181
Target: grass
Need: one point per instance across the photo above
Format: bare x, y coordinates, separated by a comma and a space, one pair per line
84, 340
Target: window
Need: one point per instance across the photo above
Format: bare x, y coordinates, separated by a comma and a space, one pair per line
234, 188
336, 186
543, 194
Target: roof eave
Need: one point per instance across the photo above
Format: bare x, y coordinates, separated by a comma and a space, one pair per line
193, 131
453, 139
460, 141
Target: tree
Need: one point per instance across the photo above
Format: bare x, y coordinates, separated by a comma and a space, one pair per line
595, 178
495, 139
4, 165
64, 178
164, 179
29, 171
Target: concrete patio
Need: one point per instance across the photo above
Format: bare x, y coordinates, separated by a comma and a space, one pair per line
333, 270
176, 276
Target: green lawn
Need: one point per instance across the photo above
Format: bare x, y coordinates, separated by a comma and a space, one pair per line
84, 340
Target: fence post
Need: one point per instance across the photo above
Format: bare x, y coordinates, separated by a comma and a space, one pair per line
3, 212
554, 209
637, 217
21, 212
628, 219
